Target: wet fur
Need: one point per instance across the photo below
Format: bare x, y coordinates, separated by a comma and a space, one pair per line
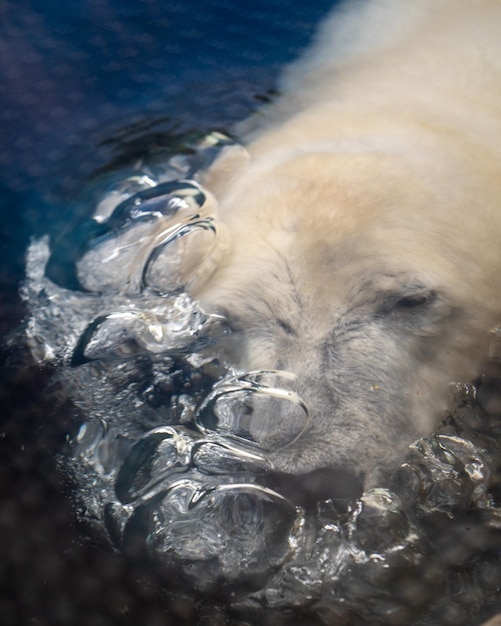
366, 225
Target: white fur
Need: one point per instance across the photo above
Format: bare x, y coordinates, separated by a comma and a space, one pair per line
378, 170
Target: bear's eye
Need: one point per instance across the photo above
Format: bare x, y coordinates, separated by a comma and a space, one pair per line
413, 301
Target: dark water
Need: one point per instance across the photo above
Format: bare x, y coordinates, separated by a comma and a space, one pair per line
72, 76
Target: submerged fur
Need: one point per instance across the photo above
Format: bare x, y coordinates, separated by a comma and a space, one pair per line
365, 226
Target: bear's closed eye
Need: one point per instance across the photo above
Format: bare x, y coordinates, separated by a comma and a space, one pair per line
417, 300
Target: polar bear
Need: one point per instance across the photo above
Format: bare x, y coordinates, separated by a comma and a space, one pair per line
365, 226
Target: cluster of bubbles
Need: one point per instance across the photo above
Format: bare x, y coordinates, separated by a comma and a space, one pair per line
170, 457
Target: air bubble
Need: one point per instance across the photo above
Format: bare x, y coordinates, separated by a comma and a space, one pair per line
253, 407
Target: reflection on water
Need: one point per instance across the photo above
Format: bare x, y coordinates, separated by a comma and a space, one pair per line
171, 462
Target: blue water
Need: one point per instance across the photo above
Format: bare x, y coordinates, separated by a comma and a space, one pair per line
73, 73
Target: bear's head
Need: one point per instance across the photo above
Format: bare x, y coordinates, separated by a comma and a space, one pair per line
373, 277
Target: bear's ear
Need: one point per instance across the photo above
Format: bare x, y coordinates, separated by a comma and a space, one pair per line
231, 163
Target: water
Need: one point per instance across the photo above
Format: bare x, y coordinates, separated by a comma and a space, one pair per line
422, 550
169, 453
